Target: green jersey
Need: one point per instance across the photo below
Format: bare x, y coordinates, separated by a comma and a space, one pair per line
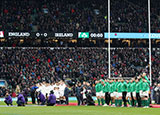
124, 86
133, 86
106, 87
111, 87
146, 86
116, 84
98, 87
119, 87
138, 87
141, 84
129, 87
147, 79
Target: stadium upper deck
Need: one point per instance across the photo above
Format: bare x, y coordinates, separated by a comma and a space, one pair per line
74, 16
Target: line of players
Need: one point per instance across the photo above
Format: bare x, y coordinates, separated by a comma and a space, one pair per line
46, 94
135, 92
132, 91
61, 92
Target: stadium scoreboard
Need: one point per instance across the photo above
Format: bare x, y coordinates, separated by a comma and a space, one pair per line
79, 35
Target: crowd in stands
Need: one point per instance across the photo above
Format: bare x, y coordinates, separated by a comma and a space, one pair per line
24, 67
27, 66
129, 62
74, 16
156, 64
55, 15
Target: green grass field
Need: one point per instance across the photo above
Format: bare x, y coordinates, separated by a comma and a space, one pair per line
76, 110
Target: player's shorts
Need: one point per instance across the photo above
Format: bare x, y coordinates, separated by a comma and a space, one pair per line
112, 94
57, 94
119, 95
102, 94
134, 94
141, 93
98, 94
115, 94
61, 93
145, 94
128, 94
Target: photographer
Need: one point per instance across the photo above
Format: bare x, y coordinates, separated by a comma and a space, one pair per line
157, 94
51, 99
78, 93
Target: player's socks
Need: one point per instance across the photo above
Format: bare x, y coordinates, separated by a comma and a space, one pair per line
120, 102
111, 102
148, 101
102, 100
132, 102
116, 102
99, 101
142, 103
129, 102
61, 101
145, 102
135, 102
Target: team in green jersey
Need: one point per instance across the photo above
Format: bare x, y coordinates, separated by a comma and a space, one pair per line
115, 91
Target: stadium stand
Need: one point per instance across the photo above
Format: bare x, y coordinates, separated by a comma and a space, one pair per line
74, 16
27, 66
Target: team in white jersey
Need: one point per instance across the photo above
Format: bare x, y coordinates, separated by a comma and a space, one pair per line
57, 87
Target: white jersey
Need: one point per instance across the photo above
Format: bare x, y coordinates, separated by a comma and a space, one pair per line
41, 89
56, 91
61, 90
53, 86
48, 89
62, 87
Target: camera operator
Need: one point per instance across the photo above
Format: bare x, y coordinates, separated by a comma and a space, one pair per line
157, 94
